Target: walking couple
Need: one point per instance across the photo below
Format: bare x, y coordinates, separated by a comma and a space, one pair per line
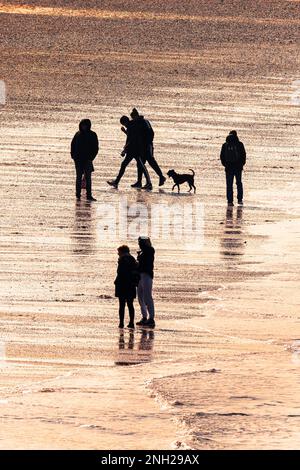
139, 146
136, 276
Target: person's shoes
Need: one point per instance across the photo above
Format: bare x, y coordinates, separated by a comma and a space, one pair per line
240, 203
142, 322
162, 181
113, 183
121, 325
131, 326
136, 185
91, 198
148, 187
150, 323
230, 204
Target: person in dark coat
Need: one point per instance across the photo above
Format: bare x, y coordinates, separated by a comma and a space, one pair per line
84, 149
146, 136
233, 158
131, 151
125, 284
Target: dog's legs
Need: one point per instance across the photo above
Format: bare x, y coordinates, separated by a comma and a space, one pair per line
194, 188
178, 188
173, 187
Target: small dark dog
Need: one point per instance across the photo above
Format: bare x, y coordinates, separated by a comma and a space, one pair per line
180, 179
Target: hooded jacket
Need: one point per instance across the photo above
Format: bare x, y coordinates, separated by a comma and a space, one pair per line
232, 140
85, 145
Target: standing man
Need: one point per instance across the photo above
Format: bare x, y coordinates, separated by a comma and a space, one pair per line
233, 158
84, 149
146, 136
132, 151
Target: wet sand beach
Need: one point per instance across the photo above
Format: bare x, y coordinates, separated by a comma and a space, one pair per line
221, 369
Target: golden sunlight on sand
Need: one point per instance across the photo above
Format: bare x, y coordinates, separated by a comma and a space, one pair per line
133, 15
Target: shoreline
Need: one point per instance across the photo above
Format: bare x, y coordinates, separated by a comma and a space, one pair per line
285, 349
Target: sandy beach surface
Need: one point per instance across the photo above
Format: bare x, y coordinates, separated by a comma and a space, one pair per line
221, 370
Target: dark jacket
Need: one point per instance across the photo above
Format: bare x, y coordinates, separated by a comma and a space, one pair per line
145, 129
139, 136
84, 148
235, 147
146, 260
127, 277
132, 146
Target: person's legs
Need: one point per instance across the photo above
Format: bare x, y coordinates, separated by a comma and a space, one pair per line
88, 179
79, 173
124, 164
142, 170
229, 185
141, 298
148, 299
239, 185
131, 312
122, 303
152, 162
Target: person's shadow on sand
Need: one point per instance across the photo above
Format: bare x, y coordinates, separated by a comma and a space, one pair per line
146, 340
84, 229
232, 239
122, 342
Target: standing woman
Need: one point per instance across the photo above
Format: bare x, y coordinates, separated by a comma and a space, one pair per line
146, 267
125, 284
84, 149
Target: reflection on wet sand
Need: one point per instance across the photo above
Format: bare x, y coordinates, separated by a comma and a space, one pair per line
232, 240
84, 229
129, 355
146, 340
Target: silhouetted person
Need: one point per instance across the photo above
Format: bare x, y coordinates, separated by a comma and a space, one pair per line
146, 268
146, 136
233, 158
125, 284
84, 149
131, 150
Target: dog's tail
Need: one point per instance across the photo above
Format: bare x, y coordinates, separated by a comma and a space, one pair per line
192, 171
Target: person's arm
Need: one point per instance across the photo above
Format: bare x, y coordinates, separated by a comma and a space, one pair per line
222, 155
127, 143
73, 147
243, 153
95, 146
124, 151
